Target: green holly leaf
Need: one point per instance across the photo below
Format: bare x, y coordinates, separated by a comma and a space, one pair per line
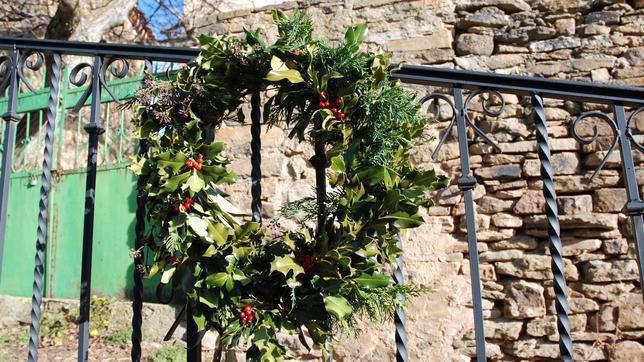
167, 275
195, 183
199, 226
286, 264
402, 220
370, 281
337, 306
280, 71
217, 280
355, 35
172, 183
174, 164
218, 232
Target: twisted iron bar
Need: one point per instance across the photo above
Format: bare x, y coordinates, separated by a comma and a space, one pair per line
41, 239
554, 232
256, 158
399, 315
435, 98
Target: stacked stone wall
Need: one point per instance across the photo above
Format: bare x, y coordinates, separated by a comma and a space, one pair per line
598, 41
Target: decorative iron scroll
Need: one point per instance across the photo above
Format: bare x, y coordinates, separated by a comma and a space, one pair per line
434, 98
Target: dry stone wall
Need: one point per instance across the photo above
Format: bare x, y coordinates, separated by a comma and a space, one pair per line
599, 41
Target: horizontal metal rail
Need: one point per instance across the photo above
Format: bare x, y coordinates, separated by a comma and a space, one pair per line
154, 53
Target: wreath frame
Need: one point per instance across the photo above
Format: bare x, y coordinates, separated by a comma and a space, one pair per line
240, 282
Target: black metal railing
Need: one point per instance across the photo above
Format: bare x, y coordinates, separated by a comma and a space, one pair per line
30, 53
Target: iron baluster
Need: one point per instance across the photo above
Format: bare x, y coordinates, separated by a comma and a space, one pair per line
139, 271
554, 232
41, 238
256, 158
11, 119
467, 183
635, 205
193, 339
399, 315
94, 129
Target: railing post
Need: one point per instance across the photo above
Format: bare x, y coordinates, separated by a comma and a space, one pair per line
11, 119
94, 129
138, 272
556, 248
467, 183
399, 315
43, 215
635, 205
256, 157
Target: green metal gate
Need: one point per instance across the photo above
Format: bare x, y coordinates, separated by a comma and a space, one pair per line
113, 237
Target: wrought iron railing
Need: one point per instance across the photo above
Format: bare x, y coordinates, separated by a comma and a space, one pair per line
465, 87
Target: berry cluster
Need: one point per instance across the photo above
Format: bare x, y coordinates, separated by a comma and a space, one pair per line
185, 203
309, 264
247, 315
333, 105
190, 164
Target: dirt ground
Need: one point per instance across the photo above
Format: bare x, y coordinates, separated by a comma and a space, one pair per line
63, 347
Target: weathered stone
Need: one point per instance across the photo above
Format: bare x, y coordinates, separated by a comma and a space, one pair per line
509, 6
492, 205
577, 204
439, 39
503, 329
594, 29
574, 183
635, 56
501, 172
481, 221
590, 352
503, 220
615, 246
525, 300
450, 195
522, 242
509, 194
474, 44
487, 272
577, 221
488, 16
518, 184
531, 348
581, 305
549, 68
565, 26
504, 255
501, 159
610, 271
495, 235
532, 202
591, 64
603, 292
531, 266
605, 320
631, 312
606, 17
580, 246
600, 75
631, 351
609, 200
562, 42
547, 325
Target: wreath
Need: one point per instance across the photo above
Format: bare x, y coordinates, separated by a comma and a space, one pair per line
242, 282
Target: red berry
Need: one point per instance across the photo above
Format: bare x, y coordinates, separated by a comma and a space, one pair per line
342, 116
322, 104
175, 209
197, 166
200, 160
247, 308
189, 200
251, 317
334, 110
188, 164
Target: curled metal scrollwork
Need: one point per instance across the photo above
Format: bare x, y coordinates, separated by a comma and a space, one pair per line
435, 98
629, 133
6, 63
117, 72
26, 60
590, 139
79, 77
